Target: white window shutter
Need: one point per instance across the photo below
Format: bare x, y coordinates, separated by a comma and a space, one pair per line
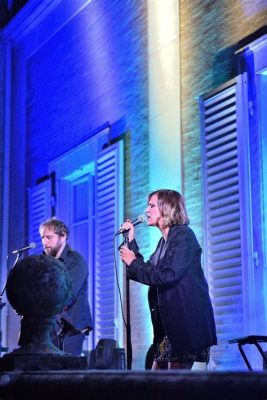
109, 214
39, 200
223, 245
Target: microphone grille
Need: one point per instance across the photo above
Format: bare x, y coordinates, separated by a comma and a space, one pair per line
142, 218
32, 245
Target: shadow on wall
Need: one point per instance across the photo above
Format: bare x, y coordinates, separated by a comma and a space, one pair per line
8, 9
225, 66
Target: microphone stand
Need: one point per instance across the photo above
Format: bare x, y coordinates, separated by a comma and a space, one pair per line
2, 304
128, 318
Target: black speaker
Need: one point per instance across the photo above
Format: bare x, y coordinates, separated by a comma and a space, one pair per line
107, 355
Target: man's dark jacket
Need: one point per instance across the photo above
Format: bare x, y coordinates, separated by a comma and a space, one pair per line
78, 310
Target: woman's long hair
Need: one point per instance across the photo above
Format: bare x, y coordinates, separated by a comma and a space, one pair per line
172, 207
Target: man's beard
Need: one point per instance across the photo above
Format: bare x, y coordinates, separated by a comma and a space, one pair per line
52, 251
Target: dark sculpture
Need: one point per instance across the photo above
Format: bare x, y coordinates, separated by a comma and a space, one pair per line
38, 288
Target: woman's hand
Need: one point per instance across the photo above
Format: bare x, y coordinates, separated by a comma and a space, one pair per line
128, 226
126, 255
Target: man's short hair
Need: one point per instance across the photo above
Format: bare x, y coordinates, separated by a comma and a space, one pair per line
56, 225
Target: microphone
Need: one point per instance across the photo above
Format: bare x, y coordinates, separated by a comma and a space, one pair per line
136, 221
30, 246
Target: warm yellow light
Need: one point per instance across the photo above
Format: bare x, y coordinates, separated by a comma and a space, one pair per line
164, 94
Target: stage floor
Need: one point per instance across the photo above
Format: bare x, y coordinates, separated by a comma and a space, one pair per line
132, 385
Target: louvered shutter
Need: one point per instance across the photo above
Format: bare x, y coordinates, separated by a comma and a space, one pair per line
39, 210
109, 214
222, 232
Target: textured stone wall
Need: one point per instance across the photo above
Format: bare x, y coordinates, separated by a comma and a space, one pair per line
211, 31
91, 71
2, 91
94, 69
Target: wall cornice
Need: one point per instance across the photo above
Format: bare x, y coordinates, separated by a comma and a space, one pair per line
26, 19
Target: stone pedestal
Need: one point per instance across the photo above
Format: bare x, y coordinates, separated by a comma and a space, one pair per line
38, 288
42, 362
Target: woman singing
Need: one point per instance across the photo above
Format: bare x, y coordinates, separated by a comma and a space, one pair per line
180, 306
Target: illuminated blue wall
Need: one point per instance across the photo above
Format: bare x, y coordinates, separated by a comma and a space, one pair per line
90, 72
81, 69
85, 65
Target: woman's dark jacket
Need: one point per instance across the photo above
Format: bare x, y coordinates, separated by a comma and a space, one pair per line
182, 292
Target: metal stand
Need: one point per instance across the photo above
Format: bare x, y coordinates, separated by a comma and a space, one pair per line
2, 304
252, 339
128, 317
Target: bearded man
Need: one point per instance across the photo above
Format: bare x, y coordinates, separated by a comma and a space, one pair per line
54, 235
